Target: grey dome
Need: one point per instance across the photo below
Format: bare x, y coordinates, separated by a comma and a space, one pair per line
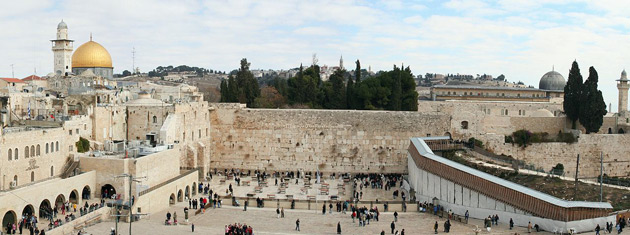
624, 76
62, 25
553, 81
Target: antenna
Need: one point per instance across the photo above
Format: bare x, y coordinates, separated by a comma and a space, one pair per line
133, 63
12, 72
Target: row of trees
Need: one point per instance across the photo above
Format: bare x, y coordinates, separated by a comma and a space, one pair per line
388, 90
162, 71
583, 101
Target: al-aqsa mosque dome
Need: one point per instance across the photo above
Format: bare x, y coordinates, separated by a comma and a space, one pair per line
552, 81
92, 56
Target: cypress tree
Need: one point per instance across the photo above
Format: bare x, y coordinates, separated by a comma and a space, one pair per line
593, 106
572, 94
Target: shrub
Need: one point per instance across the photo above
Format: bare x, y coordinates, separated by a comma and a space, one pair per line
508, 139
558, 169
522, 137
566, 138
83, 145
476, 142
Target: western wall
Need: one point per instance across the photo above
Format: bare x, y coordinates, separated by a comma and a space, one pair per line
310, 140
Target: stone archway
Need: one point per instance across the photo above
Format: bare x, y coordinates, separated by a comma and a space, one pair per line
86, 193
74, 197
194, 188
171, 199
44, 209
187, 191
9, 218
28, 211
107, 191
180, 196
60, 200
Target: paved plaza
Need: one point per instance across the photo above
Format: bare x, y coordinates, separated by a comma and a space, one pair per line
265, 221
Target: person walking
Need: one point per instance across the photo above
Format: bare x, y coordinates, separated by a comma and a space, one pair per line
192, 226
324, 209
466, 216
330, 208
245, 205
511, 224
396, 216
297, 224
529, 227
278, 212
339, 227
282, 213
435, 227
597, 229
392, 226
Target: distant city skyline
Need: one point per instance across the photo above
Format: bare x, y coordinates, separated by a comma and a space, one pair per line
520, 39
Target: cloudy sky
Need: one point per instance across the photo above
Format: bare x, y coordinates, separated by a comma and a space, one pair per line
522, 39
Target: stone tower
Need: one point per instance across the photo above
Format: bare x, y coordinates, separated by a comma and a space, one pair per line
341, 62
62, 50
622, 85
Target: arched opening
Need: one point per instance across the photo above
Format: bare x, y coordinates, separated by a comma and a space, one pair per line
10, 154
180, 196
59, 201
107, 191
32, 150
28, 211
74, 197
194, 188
32, 176
86, 193
57, 146
16, 154
154, 119
449, 135
187, 192
465, 125
171, 199
44, 209
52, 171
9, 218
621, 131
52, 147
26, 152
38, 151
609, 130
46, 147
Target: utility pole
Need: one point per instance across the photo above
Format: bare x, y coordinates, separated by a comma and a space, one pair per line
577, 166
131, 180
12, 72
601, 176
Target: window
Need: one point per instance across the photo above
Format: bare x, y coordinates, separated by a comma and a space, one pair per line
154, 119
84, 127
449, 93
77, 131
32, 176
465, 125
506, 112
70, 132
57, 146
454, 92
523, 112
52, 171
10, 155
70, 148
502, 94
26, 152
46, 147
32, 151
38, 152
206, 132
199, 133
16, 154
52, 147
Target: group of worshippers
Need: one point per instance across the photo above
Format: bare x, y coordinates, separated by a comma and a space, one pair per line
28, 222
238, 229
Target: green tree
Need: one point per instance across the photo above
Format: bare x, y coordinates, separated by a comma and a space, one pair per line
572, 94
396, 90
83, 145
248, 86
593, 107
126, 73
224, 91
409, 99
336, 92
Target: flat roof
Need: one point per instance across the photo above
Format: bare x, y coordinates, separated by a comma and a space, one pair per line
425, 151
492, 88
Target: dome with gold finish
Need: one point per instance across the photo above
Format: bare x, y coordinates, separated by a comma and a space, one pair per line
91, 55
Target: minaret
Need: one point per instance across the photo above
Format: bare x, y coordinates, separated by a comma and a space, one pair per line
62, 50
341, 62
622, 85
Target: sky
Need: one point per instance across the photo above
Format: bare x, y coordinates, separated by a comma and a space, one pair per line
522, 39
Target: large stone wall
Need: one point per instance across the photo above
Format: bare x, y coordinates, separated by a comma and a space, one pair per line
310, 140
547, 155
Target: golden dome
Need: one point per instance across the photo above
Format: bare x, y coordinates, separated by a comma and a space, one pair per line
91, 55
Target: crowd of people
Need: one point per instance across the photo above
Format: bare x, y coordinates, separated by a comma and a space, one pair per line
238, 229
